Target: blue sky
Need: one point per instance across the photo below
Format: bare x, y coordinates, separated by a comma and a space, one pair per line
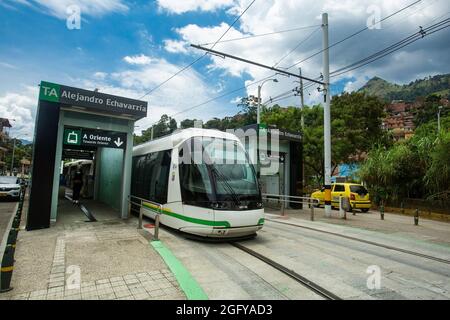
128, 47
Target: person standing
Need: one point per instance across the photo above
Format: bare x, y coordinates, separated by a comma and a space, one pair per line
77, 185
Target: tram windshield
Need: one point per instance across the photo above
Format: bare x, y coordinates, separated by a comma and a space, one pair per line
217, 173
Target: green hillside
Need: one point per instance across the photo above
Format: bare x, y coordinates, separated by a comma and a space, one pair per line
439, 85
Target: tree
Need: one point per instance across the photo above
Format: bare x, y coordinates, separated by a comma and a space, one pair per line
415, 168
429, 110
187, 123
355, 128
166, 125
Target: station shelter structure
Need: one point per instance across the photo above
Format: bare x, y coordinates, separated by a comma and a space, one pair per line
74, 124
285, 178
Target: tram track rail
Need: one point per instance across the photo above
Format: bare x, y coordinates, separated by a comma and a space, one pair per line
292, 274
414, 253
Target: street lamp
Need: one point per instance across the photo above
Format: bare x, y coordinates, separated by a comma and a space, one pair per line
439, 118
259, 99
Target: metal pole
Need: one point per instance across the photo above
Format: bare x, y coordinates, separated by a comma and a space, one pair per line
416, 217
258, 119
140, 216
151, 136
12, 160
282, 207
302, 102
312, 211
302, 123
156, 234
326, 118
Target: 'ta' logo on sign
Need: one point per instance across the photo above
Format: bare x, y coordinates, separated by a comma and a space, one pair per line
49, 92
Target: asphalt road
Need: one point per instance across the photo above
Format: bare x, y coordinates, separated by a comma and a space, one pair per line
6, 211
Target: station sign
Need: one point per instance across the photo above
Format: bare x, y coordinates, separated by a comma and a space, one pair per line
92, 100
94, 138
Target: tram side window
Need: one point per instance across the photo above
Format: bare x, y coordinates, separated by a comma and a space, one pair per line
161, 182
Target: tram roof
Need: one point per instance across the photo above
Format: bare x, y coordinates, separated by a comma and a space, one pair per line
176, 138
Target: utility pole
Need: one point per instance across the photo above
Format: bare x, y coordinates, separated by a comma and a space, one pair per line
302, 102
326, 116
12, 159
258, 117
151, 135
302, 123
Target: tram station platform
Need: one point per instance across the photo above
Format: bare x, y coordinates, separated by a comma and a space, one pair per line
110, 259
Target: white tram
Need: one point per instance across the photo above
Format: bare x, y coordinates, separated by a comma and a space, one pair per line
204, 181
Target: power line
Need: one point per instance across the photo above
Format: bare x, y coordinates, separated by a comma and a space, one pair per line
262, 34
297, 46
394, 47
354, 34
199, 58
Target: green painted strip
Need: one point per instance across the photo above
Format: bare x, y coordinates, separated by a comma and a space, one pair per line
188, 284
225, 224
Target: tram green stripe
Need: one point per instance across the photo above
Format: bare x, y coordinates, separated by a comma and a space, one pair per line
188, 284
225, 224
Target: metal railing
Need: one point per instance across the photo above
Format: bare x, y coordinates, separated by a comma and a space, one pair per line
140, 204
283, 199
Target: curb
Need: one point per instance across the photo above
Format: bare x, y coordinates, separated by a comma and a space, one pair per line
3, 240
188, 284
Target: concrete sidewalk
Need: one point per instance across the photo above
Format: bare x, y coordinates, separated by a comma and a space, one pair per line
427, 230
108, 259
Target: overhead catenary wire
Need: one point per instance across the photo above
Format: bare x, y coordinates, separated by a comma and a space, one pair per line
306, 86
423, 32
352, 35
199, 58
261, 35
296, 46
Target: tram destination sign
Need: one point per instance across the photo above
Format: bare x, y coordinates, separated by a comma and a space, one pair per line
94, 100
94, 138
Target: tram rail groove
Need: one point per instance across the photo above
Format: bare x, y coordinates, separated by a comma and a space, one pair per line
294, 275
418, 254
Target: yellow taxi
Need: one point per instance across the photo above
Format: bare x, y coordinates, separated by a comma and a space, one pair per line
357, 195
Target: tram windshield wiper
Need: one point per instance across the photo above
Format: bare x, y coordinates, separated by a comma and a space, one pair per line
226, 184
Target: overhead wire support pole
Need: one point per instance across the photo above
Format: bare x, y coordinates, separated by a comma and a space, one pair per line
302, 124
226, 55
326, 116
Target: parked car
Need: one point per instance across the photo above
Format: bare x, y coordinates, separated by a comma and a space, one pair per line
357, 195
9, 187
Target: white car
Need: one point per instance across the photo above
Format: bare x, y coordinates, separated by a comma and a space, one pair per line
9, 187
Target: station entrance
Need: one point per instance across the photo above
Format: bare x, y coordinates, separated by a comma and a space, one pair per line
82, 156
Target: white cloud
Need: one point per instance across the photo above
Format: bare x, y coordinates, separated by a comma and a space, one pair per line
345, 17
138, 59
22, 108
100, 75
174, 46
187, 89
58, 8
7, 65
182, 6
